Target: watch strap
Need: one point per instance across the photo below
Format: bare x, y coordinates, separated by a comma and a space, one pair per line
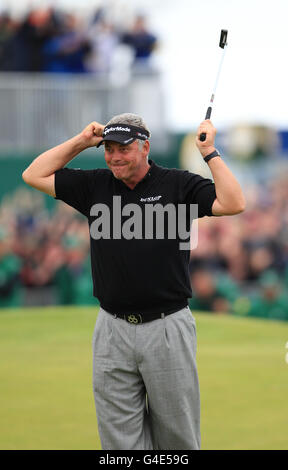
211, 155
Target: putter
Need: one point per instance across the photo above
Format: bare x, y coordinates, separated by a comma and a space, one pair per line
222, 44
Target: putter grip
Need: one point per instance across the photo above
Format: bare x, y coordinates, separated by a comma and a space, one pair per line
208, 114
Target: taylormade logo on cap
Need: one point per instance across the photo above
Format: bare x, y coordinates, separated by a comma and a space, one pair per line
117, 129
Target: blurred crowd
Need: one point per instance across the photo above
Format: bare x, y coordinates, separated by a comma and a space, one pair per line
240, 265
40, 251
48, 40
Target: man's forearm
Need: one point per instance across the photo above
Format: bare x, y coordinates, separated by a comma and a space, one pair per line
229, 196
230, 199
48, 162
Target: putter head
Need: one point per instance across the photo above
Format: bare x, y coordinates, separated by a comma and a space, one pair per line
223, 38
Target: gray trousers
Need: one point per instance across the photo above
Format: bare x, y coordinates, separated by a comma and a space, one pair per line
145, 383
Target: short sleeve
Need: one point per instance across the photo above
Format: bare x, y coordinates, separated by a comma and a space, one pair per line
74, 186
194, 189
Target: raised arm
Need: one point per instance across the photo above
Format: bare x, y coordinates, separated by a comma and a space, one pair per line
229, 196
40, 173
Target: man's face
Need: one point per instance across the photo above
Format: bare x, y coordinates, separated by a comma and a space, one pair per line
126, 161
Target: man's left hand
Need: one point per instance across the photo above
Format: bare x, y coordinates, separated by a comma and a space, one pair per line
208, 146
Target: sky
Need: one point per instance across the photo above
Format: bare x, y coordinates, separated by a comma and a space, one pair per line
253, 81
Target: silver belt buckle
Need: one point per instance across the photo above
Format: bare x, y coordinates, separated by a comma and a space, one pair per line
134, 318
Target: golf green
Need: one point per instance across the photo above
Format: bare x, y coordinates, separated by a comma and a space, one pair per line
46, 380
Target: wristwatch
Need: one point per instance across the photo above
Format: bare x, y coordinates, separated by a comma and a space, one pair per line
212, 155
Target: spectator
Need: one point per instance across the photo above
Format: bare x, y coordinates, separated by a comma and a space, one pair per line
206, 296
27, 44
7, 32
103, 40
66, 50
10, 267
141, 40
272, 301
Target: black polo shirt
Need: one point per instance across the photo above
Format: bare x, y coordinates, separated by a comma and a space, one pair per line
137, 275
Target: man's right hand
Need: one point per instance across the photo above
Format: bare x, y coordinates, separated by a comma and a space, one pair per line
92, 134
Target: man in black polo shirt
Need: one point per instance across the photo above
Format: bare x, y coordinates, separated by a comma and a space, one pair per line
144, 344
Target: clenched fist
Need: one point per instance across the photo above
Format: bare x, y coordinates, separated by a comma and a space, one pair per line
208, 146
92, 134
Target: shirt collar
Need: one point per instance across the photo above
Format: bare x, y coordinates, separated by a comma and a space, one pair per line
150, 173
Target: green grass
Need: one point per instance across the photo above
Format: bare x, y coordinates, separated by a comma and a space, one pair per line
46, 399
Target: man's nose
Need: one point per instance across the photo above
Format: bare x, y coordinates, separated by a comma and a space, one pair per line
115, 156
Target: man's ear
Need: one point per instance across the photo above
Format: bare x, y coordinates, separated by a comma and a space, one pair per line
146, 147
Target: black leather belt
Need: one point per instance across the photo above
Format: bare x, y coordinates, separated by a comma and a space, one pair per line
137, 318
